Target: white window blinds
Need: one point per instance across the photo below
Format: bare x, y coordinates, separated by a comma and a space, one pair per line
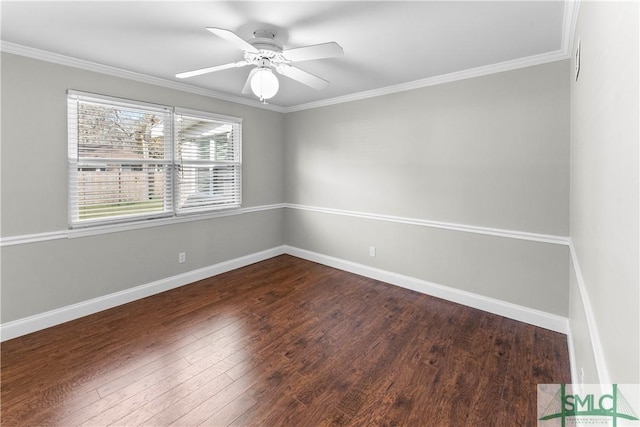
208, 169
133, 161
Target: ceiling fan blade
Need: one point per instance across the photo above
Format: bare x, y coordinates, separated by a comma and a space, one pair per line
317, 51
194, 73
232, 37
302, 76
247, 84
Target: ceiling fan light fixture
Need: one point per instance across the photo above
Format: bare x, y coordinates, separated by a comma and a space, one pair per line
264, 83
267, 54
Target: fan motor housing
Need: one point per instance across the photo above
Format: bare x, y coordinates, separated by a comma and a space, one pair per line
265, 40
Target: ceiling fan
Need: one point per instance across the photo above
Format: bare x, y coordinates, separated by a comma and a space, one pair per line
267, 55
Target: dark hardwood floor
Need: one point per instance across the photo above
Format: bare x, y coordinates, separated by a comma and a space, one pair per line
284, 342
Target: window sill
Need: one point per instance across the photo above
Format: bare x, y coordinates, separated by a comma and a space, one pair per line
158, 222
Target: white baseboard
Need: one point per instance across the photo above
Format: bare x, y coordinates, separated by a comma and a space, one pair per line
594, 335
575, 379
45, 320
512, 311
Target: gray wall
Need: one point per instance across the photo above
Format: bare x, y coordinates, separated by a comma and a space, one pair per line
604, 187
38, 277
490, 151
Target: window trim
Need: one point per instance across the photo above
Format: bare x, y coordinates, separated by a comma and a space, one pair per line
174, 212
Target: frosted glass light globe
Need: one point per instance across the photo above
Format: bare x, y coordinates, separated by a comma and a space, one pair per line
264, 83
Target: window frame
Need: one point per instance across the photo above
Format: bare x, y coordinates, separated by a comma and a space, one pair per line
171, 191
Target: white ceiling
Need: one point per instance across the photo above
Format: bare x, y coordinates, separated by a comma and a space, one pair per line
386, 43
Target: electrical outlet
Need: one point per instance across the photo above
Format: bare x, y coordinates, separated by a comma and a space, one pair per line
182, 257
372, 251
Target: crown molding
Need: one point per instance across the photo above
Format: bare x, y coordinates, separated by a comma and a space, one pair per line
570, 16
570, 20
485, 70
69, 61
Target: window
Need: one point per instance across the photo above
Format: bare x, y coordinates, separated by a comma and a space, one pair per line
132, 161
207, 153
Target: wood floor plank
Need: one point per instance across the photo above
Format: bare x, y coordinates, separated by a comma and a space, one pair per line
179, 407
124, 394
231, 411
196, 379
283, 342
269, 373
